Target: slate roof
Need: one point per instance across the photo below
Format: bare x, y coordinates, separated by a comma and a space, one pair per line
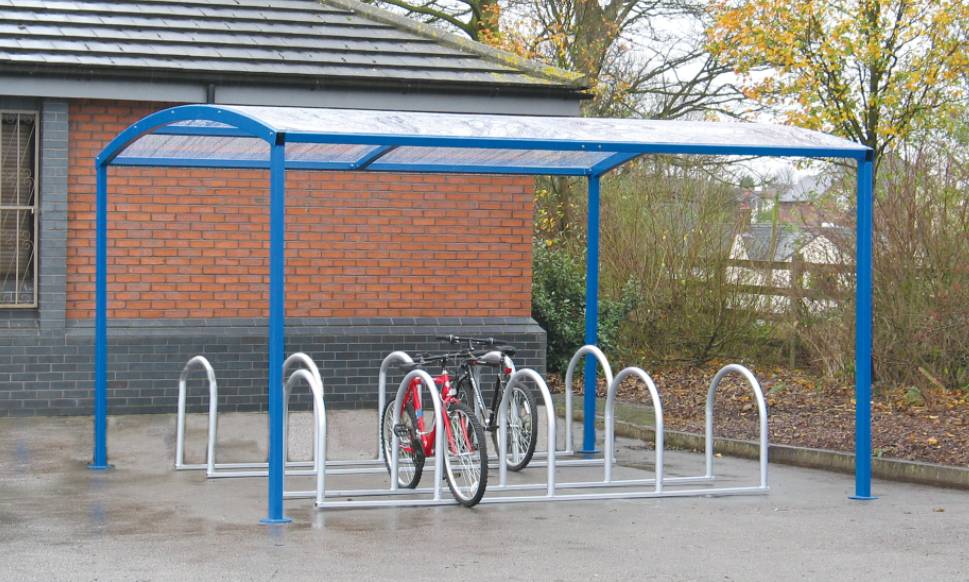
806, 189
336, 42
757, 242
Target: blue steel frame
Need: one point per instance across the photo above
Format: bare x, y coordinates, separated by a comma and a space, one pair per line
236, 124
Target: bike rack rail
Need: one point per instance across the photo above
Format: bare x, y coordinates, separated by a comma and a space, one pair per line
393, 358
761, 415
551, 487
515, 379
209, 465
312, 377
609, 453
569, 374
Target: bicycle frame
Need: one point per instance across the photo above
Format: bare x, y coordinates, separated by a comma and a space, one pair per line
413, 397
468, 377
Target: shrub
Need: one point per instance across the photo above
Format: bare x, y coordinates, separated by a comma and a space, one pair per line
558, 305
672, 229
921, 275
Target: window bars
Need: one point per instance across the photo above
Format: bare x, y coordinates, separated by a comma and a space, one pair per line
18, 209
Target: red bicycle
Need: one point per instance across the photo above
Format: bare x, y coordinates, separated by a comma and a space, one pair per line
465, 459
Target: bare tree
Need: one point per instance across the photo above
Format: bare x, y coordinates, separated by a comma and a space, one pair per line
646, 58
643, 58
479, 19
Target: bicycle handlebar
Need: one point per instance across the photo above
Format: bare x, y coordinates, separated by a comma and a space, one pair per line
454, 339
471, 354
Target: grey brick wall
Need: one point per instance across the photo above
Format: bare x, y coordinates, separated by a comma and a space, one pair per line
51, 373
53, 214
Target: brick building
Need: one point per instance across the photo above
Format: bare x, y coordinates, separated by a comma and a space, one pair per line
375, 261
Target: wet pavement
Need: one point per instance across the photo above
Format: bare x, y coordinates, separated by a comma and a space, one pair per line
144, 521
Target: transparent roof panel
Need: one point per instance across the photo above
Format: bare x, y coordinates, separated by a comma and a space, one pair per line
640, 131
200, 123
450, 142
198, 147
433, 156
327, 153
201, 147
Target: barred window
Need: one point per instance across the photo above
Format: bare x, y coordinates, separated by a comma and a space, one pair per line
18, 209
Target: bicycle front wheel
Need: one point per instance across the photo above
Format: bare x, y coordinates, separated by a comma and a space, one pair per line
522, 429
466, 458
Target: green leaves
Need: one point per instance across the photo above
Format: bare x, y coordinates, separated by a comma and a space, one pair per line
558, 305
870, 70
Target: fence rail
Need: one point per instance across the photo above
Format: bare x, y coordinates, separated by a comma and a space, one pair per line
796, 287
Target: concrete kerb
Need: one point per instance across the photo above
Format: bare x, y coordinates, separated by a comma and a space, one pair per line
629, 424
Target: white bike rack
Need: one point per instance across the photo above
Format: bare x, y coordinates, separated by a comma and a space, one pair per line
595, 352
399, 497
311, 377
209, 466
394, 358
761, 418
215, 470
503, 492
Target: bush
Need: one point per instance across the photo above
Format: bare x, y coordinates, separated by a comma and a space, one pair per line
558, 305
921, 276
672, 230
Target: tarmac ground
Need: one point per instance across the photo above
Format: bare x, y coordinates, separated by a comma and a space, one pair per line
145, 521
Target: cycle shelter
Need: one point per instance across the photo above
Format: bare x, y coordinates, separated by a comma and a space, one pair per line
278, 139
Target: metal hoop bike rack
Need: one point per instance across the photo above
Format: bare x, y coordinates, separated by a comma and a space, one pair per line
214, 470
209, 465
552, 489
319, 422
400, 357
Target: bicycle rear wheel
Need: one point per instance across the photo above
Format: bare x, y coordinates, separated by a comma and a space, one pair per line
410, 456
466, 457
522, 429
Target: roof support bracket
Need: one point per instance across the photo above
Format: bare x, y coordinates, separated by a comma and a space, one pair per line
613, 161
372, 156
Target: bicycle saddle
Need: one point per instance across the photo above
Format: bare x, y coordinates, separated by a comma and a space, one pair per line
507, 350
493, 358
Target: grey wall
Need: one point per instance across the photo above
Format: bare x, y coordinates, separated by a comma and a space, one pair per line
50, 373
52, 255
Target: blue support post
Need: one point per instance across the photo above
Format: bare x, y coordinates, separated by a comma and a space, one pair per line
863, 331
100, 458
591, 318
277, 327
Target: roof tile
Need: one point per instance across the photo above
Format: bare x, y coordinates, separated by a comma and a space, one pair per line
302, 39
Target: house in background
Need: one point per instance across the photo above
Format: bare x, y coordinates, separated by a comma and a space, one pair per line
803, 203
375, 262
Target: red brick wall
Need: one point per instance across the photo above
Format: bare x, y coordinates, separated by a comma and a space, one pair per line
194, 243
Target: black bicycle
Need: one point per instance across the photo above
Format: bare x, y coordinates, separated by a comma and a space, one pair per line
522, 408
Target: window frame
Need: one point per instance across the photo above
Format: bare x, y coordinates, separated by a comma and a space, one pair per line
34, 210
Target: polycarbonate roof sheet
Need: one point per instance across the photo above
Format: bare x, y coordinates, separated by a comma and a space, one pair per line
318, 138
488, 157
642, 131
198, 147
